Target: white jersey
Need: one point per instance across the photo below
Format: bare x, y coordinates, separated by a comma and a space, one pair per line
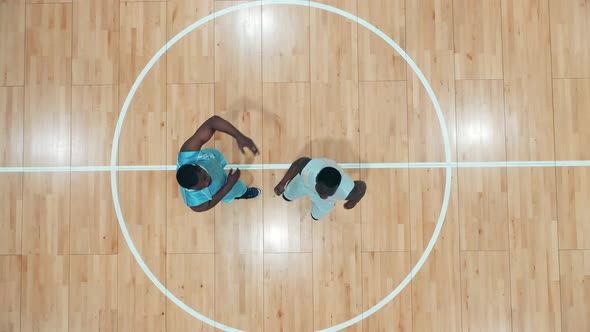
304, 185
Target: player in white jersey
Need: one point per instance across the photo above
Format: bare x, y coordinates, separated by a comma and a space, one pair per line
324, 182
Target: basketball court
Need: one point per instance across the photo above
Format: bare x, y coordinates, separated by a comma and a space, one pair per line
468, 120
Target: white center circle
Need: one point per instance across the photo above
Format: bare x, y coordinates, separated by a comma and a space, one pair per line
305, 3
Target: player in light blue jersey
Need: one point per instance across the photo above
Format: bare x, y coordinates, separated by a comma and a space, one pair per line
200, 172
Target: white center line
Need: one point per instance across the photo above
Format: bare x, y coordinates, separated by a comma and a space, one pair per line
468, 164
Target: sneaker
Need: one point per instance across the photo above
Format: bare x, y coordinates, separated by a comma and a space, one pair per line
250, 193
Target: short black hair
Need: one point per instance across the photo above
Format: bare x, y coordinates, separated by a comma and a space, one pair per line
187, 176
330, 177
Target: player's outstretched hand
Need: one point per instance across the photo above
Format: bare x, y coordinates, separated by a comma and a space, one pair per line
246, 142
280, 189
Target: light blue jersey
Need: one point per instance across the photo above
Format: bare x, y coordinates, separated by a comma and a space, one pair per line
213, 162
304, 185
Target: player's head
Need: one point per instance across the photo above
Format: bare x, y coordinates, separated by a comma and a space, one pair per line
327, 182
192, 176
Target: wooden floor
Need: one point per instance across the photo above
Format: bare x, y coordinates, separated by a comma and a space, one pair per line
513, 80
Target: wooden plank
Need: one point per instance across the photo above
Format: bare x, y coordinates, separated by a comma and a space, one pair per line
485, 296
143, 0
94, 226
337, 283
286, 46
47, 126
333, 44
436, 296
575, 305
483, 218
238, 41
46, 220
483, 198
11, 126
141, 305
190, 277
477, 27
335, 121
12, 34
48, 79
11, 213
286, 122
382, 272
573, 192
527, 80
377, 60
430, 44
11, 154
192, 59
95, 43
481, 133
571, 101
48, 1
93, 293
287, 225
385, 210
95, 109
44, 293
10, 287
383, 112
48, 55
288, 300
143, 31
239, 286
534, 257
570, 42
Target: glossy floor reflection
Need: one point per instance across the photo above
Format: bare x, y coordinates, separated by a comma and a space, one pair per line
513, 81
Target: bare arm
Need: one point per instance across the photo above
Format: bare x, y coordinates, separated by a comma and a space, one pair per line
231, 181
295, 169
357, 193
209, 127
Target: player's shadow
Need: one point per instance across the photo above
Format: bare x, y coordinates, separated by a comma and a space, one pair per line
245, 110
338, 149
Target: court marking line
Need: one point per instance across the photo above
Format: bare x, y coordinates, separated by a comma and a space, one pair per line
310, 4
448, 165
114, 167
417, 165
